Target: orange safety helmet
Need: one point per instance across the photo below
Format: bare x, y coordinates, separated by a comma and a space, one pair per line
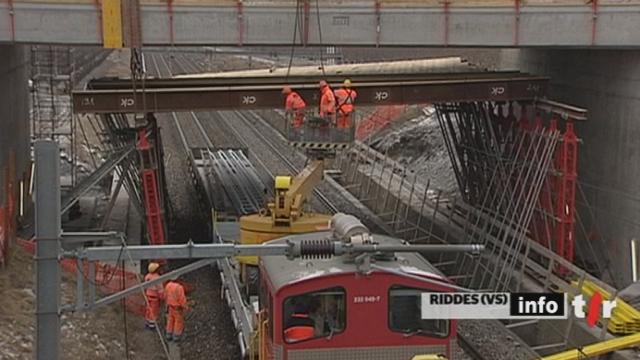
323, 84
286, 90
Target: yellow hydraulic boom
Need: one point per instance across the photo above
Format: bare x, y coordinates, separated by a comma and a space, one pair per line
291, 193
596, 349
285, 215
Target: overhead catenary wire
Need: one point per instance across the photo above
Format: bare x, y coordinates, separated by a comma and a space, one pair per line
105, 280
320, 37
293, 42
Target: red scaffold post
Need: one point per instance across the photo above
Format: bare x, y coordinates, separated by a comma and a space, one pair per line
150, 188
567, 165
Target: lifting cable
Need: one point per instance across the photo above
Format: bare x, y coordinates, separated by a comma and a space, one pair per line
320, 37
137, 68
293, 42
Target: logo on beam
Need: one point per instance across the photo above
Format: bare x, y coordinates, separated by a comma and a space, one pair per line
88, 101
382, 95
127, 102
498, 90
534, 88
249, 100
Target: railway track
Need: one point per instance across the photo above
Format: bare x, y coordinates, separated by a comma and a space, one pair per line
181, 133
190, 136
210, 155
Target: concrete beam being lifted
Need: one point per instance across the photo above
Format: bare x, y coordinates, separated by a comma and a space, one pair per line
542, 23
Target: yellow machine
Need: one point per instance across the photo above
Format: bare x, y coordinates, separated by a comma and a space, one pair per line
285, 215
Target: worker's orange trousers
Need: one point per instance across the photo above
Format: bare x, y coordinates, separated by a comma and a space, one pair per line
153, 309
343, 121
175, 321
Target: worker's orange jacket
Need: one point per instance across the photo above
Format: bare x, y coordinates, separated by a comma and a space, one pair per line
175, 295
327, 101
345, 99
294, 102
156, 291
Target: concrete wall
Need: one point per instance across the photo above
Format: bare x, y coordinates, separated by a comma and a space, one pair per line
607, 83
14, 109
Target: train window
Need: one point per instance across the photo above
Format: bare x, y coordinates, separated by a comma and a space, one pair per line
404, 314
315, 314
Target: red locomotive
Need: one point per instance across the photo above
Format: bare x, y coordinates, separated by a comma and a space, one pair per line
350, 308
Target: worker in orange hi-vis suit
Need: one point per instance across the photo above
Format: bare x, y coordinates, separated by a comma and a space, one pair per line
154, 295
345, 98
176, 305
327, 101
294, 106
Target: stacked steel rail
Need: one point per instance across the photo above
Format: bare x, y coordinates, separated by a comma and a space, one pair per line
239, 180
225, 176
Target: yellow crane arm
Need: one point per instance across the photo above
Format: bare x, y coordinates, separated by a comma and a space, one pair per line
597, 349
291, 193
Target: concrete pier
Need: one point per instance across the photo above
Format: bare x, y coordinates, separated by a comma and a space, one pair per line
607, 83
14, 135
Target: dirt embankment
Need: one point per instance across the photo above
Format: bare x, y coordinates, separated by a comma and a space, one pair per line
96, 334
415, 140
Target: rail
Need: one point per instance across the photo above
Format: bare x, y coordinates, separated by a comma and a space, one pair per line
328, 204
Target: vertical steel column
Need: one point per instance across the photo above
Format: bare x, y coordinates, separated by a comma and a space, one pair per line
47, 249
566, 196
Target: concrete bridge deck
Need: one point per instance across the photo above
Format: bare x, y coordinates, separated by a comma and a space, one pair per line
492, 23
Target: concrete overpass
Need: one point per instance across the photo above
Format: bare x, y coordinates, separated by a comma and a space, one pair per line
492, 23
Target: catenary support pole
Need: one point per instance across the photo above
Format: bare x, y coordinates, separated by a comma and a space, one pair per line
47, 249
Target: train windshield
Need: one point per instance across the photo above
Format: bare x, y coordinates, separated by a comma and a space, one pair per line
405, 316
315, 314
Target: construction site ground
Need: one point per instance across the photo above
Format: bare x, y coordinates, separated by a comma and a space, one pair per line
414, 140
100, 334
